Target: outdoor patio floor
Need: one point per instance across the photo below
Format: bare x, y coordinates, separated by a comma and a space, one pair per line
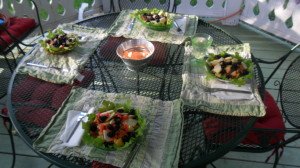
262, 47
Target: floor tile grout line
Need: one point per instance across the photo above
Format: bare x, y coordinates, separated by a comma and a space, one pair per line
18, 154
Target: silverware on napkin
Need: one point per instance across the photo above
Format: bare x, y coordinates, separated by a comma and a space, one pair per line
130, 26
86, 110
46, 67
177, 26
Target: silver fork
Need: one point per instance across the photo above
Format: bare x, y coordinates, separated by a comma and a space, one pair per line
46, 67
178, 29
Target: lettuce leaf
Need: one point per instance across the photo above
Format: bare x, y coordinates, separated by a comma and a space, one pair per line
106, 106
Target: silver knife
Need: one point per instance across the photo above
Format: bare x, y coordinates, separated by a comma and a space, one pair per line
37, 65
130, 27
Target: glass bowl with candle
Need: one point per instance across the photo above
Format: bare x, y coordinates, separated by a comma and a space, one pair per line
136, 53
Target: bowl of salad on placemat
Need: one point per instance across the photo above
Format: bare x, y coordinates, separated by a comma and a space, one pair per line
59, 42
114, 126
155, 19
231, 68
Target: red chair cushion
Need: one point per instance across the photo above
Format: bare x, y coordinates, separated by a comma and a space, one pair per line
35, 113
23, 91
272, 120
41, 99
17, 27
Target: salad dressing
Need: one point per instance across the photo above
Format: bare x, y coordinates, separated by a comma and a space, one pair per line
136, 53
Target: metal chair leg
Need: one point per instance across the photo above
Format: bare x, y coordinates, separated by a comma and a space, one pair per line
8, 125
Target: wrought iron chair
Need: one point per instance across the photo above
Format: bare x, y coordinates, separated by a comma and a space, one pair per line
12, 35
12, 32
268, 132
129, 4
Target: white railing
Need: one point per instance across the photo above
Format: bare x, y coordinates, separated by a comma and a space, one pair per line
50, 7
279, 17
205, 8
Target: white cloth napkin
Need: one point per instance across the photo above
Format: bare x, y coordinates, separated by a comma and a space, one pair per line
228, 91
72, 119
182, 23
227, 95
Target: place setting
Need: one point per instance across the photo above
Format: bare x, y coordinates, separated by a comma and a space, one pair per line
154, 25
63, 52
117, 129
219, 79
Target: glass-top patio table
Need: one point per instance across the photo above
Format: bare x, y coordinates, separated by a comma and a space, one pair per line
161, 79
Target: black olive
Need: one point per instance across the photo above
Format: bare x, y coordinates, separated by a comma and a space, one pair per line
111, 134
245, 72
117, 127
131, 134
110, 127
120, 111
125, 138
102, 118
132, 112
93, 127
107, 144
217, 56
117, 120
234, 66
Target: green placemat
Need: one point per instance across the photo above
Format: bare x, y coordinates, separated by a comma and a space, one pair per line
63, 68
121, 28
214, 96
160, 148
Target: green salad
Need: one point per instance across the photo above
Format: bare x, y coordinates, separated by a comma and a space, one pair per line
229, 67
155, 19
58, 42
114, 126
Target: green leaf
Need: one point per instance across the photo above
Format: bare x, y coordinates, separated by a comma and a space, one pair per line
177, 2
289, 22
256, 9
193, 2
132, 0
224, 3
209, 3
162, 1
272, 15
286, 2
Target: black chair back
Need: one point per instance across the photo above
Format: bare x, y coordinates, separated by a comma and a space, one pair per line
140, 4
289, 92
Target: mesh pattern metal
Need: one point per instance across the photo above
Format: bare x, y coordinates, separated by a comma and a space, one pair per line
203, 140
155, 81
290, 93
207, 136
140, 4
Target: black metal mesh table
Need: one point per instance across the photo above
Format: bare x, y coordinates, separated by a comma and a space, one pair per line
31, 112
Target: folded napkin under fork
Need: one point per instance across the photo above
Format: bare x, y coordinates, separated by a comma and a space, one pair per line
73, 131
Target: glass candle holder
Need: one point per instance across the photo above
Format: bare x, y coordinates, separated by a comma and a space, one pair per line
200, 44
